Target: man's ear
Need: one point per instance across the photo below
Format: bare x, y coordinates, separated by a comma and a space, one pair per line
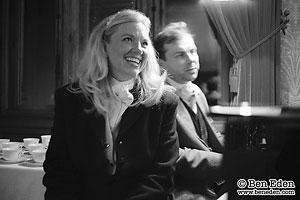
161, 63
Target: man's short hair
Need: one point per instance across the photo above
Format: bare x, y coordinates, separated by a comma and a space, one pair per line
169, 34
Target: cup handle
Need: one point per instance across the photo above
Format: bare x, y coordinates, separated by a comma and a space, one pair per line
20, 154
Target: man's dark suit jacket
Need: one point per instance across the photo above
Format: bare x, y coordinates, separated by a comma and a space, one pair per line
200, 159
146, 151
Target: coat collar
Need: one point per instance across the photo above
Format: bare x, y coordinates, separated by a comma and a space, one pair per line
130, 116
185, 120
190, 84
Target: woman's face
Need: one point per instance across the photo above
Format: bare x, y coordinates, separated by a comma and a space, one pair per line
127, 50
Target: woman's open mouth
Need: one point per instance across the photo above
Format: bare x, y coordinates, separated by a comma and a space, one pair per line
134, 61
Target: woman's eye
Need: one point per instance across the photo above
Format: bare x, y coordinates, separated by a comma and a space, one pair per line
127, 39
144, 44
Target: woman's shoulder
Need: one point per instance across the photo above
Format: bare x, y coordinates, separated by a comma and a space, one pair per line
71, 93
169, 96
70, 89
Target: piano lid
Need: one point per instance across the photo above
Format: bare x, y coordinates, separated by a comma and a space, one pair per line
246, 110
267, 112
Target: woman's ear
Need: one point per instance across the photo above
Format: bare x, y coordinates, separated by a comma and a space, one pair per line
104, 49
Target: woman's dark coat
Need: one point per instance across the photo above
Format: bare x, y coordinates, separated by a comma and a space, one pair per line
146, 151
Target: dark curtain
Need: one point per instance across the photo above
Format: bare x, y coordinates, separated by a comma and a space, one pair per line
241, 25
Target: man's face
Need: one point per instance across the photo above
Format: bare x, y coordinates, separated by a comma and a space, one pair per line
182, 60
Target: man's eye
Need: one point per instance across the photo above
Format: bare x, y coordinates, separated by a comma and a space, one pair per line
179, 55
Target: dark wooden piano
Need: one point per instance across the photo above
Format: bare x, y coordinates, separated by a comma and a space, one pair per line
262, 143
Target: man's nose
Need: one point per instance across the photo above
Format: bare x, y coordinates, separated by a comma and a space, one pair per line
190, 57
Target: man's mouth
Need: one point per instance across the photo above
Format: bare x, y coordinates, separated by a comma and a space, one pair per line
192, 69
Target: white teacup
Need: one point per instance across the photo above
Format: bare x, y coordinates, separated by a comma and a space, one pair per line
28, 141
35, 146
39, 155
46, 139
11, 154
13, 145
3, 141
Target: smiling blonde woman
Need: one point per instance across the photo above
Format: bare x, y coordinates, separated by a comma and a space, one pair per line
113, 135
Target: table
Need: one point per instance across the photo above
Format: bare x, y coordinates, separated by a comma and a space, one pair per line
22, 181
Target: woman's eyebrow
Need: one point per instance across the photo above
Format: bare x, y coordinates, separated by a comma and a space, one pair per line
127, 34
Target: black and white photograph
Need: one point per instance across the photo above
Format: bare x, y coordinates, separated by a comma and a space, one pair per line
149, 99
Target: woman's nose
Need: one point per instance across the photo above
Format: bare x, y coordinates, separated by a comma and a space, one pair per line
138, 47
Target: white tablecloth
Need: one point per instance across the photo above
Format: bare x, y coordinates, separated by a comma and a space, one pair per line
21, 181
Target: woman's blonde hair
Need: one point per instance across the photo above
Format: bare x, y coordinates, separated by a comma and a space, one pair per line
93, 71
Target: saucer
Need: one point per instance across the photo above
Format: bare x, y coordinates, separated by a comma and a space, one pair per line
22, 159
32, 163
